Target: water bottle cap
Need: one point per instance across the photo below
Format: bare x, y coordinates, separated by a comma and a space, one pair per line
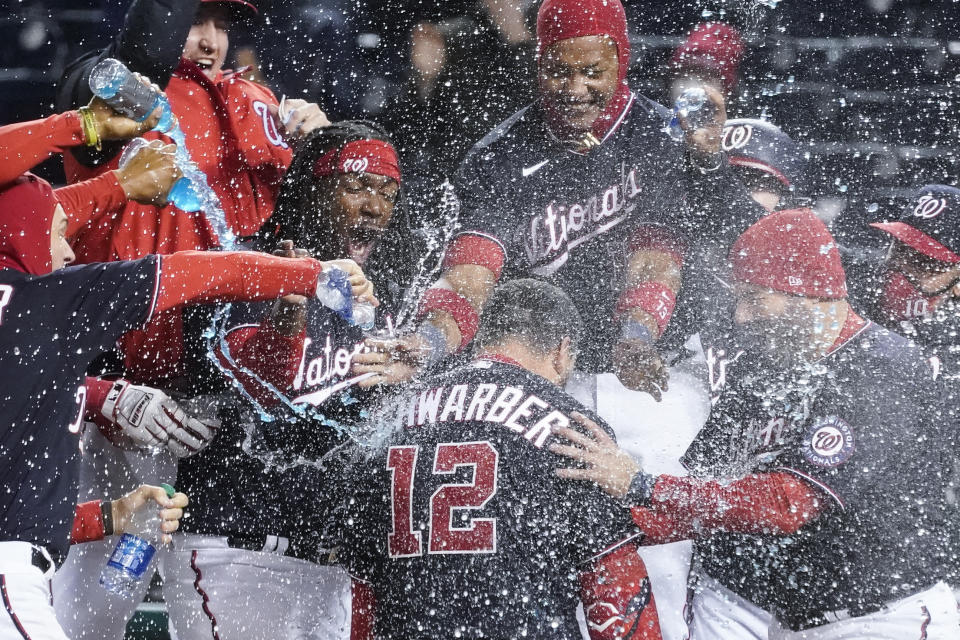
168, 488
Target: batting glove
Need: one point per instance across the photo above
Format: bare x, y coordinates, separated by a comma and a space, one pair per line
151, 418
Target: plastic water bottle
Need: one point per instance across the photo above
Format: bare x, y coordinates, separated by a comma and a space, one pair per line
333, 292
116, 85
183, 193
134, 552
693, 105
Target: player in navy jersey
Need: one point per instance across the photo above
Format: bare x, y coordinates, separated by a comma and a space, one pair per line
248, 531
916, 290
582, 187
54, 322
820, 473
457, 522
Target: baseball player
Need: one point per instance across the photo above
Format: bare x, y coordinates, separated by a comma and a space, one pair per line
820, 468
53, 323
249, 533
917, 291
233, 133
456, 521
582, 187
235, 136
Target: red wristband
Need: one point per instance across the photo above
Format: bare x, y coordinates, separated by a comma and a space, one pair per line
457, 306
651, 238
654, 298
471, 248
87, 523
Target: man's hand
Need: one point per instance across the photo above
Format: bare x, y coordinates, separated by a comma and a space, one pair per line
289, 314
111, 125
299, 117
606, 464
394, 360
149, 497
149, 175
639, 367
361, 288
704, 142
151, 418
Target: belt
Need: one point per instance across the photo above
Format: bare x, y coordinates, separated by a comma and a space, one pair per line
281, 546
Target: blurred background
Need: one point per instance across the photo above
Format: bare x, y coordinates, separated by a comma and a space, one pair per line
868, 87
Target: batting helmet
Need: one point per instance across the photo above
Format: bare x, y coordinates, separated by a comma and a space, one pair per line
762, 146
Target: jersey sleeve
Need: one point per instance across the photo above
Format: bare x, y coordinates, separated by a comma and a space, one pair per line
97, 303
483, 204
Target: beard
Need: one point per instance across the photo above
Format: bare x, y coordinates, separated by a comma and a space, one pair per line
769, 345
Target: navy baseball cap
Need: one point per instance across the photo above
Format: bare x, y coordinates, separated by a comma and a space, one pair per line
242, 10
760, 145
930, 223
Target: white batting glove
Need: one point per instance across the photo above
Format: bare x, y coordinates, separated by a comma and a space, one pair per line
151, 418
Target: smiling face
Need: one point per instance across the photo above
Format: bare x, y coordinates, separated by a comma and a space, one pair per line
360, 208
208, 40
60, 252
578, 78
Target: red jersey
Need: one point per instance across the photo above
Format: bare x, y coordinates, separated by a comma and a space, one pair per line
234, 141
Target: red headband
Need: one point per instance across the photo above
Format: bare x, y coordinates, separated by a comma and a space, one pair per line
360, 156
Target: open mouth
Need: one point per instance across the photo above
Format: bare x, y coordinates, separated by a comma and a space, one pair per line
362, 241
205, 63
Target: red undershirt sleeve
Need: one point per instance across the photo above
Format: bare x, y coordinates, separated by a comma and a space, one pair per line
85, 202
27, 144
469, 248
617, 597
682, 508
191, 277
87, 523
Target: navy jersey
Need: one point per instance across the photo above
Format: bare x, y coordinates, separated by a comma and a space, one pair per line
568, 217
250, 481
857, 425
458, 520
51, 328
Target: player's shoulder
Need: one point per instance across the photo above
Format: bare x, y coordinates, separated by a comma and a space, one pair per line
516, 387
509, 143
886, 362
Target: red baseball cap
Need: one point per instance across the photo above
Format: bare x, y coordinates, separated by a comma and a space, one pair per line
792, 252
929, 223
715, 46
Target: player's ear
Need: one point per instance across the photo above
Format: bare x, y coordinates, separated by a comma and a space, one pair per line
565, 358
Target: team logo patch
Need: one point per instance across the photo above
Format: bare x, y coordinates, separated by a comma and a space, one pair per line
737, 137
929, 207
829, 442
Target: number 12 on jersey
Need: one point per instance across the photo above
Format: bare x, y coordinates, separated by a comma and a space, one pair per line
476, 535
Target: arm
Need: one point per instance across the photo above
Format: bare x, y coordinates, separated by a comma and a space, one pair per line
27, 144
678, 508
97, 519
146, 178
645, 307
681, 508
449, 314
617, 597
